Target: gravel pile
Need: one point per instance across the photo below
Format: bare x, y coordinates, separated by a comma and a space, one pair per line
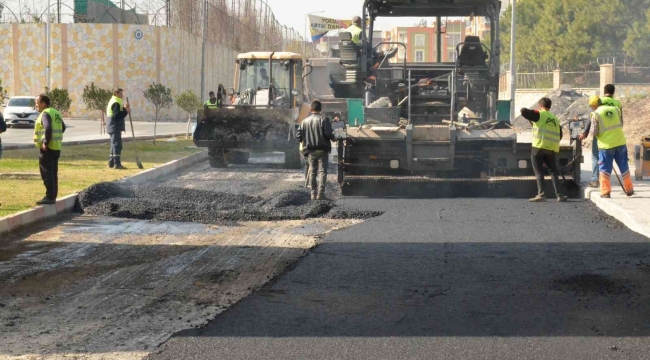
178, 204
567, 104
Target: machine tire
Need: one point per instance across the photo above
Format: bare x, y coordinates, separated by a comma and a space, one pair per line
238, 157
293, 159
216, 158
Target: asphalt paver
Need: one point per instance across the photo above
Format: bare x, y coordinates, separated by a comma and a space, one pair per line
448, 279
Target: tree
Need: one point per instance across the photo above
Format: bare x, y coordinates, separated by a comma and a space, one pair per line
96, 99
190, 103
59, 99
3, 94
161, 98
636, 44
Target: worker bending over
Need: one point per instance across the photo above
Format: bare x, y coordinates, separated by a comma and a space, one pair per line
607, 128
547, 134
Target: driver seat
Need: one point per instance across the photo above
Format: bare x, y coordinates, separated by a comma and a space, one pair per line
350, 56
472, 54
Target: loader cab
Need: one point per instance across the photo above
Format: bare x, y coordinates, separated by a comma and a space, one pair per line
266, 79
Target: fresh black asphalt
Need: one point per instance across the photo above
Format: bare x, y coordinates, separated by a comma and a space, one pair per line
448, 279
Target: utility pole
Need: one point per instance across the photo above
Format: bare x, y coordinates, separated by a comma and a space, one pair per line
205, 25
513, 71
48, 27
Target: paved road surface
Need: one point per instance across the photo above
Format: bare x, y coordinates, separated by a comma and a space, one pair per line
78, 130
449, 279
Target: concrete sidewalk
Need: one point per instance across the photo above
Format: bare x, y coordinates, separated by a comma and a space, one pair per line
633, 211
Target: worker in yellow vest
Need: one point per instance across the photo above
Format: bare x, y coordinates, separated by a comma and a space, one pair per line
547, 134
355, 30
48, 138
607, 128
116, 112
609, 100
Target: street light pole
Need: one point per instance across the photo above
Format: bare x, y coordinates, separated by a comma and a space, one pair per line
513, 71
49, 40
205, 24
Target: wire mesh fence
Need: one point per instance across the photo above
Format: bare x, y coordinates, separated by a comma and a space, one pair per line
241, 25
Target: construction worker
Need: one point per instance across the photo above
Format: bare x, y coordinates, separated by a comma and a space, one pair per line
315, 134
116, 112
48, 138
607, 128
609, 100
3, 128
212, 103
355, 30
547, 134
264, 79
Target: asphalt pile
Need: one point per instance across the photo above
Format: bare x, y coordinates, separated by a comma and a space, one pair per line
208, 207
567, 105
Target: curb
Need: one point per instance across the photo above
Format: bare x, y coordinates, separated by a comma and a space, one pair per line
65, 204
94, 141
615, 211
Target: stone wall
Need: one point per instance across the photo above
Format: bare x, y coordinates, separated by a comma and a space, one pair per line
110, 55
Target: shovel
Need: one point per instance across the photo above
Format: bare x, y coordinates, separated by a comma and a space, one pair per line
137, 158
571, 188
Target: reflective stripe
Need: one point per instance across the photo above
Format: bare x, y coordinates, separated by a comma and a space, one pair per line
610, 127
546, 132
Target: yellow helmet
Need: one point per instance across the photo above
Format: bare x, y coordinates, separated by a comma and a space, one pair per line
593, 100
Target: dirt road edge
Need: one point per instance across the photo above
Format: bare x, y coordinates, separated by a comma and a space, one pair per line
65, 204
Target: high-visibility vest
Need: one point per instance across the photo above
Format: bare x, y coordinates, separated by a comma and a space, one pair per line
546, 132
606, 100
109, 108
355, 31
210, 105
610, 127
57, 130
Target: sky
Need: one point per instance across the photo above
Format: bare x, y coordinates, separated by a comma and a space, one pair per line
289, 12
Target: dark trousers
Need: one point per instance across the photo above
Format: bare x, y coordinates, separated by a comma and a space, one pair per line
48, 162
539, 157
116, 148
318, 162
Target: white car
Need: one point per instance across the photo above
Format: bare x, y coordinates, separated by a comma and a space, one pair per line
21, 111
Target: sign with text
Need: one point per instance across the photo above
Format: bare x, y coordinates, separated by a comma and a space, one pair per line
319, 26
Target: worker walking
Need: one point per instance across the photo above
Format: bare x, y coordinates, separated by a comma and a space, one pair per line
315, 135
547, 134
607, 128
3, 128
609, 100
48, 138
116, 113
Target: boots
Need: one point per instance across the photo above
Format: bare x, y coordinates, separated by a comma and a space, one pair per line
538, 198
627, 184
605, 185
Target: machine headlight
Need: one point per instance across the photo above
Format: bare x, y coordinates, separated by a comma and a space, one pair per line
522, 164
394, 164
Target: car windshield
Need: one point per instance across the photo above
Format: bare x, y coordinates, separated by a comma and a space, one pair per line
21, 102
256, 75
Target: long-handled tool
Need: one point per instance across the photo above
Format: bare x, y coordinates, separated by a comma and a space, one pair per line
570, 186
137, 158
620, 182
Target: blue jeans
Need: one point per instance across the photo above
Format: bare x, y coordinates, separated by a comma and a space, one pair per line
609, 156
594, 160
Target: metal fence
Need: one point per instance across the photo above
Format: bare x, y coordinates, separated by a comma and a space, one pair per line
632, 75
241, 25
581, 79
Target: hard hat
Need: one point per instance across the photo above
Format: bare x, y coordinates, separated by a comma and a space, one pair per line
593, 100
